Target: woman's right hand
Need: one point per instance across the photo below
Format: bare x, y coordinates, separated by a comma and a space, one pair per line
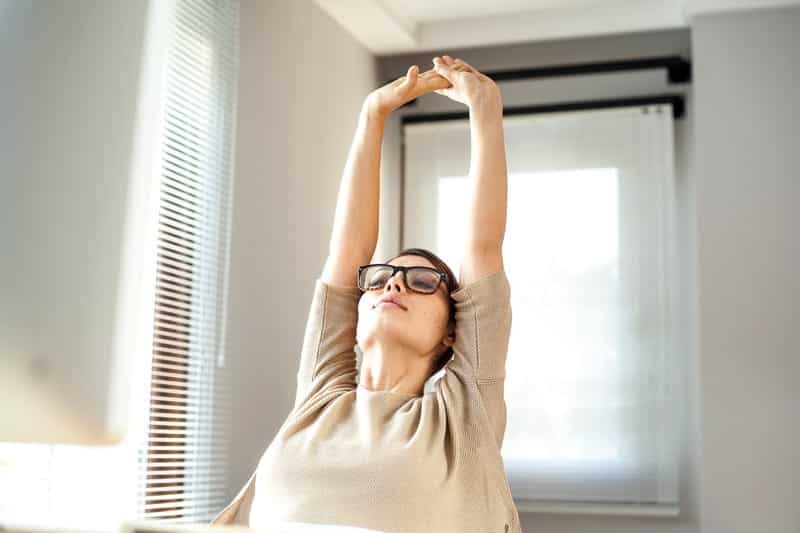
386, 99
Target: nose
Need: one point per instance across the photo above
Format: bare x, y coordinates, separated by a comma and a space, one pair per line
396, 282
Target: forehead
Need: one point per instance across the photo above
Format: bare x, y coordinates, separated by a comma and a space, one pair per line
411, 260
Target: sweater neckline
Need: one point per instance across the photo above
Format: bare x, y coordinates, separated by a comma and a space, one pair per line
387, 393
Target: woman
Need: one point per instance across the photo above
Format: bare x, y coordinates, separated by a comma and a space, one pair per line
369, 447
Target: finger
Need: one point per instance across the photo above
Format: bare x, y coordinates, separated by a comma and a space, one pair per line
430, 75
443, 69
402, 82
444, 72
465, 65
468, 67
435, 82
439, 60
430, 80
430, 84
475, 71
411, 75
454, 65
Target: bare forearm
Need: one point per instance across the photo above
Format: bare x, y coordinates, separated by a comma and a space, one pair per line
355, 226
487, 175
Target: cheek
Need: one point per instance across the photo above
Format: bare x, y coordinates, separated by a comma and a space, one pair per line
361, 323
366, 316
434, 317
364, 309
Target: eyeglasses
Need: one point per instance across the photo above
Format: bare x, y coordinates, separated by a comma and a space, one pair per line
418, 278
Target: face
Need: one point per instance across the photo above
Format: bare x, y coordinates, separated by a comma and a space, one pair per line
420, 325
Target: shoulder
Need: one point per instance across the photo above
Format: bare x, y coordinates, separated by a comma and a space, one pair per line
494, 286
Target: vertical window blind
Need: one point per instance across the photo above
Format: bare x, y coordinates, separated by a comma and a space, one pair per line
182, 465
594, 411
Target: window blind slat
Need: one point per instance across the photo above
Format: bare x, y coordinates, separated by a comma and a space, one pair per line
152, 498
179, 229
179, 102
190, 145
187, 185
196, 198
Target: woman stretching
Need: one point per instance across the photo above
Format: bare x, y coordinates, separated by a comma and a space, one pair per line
368, 447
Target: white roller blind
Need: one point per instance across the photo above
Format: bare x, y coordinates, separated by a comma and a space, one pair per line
182, 466
593, 414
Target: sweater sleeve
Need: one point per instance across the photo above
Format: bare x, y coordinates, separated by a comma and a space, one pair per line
327, 357
483, 327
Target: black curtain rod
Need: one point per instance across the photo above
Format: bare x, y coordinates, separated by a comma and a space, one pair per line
675, 100
679, 70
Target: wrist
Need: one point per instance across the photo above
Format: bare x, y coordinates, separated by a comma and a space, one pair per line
487, 102
373, 112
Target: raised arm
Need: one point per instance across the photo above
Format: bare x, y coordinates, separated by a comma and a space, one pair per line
486, 217
355, 225
486, 222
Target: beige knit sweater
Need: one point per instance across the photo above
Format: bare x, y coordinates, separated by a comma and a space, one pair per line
397, 463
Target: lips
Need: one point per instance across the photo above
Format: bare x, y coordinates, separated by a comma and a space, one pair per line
391, 299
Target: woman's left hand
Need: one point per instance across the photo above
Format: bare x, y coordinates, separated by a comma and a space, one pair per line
467, 85
386, 99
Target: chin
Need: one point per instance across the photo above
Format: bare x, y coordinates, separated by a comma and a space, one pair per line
385, 330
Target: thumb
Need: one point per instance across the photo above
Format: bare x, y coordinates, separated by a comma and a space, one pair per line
411, 77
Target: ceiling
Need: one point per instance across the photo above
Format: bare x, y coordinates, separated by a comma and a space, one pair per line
427, 11
388, 27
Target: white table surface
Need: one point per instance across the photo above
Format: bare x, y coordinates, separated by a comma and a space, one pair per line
150, 527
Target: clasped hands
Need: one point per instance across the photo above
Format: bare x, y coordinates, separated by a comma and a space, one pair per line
449, 77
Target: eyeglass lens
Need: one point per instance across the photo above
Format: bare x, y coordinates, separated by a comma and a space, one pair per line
418, 279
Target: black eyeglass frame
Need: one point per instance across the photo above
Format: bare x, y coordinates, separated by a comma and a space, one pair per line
404, 270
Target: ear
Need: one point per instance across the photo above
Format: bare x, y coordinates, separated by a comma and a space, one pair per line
450, 338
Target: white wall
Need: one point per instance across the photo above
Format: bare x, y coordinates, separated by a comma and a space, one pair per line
747, 82
74, 95
302, 83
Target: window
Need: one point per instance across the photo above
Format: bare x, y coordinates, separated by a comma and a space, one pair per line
591, 375
182, 465
171, 465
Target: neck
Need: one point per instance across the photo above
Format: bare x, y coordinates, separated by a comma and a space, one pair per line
394, 369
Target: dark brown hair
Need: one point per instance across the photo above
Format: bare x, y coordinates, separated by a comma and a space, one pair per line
452, 285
